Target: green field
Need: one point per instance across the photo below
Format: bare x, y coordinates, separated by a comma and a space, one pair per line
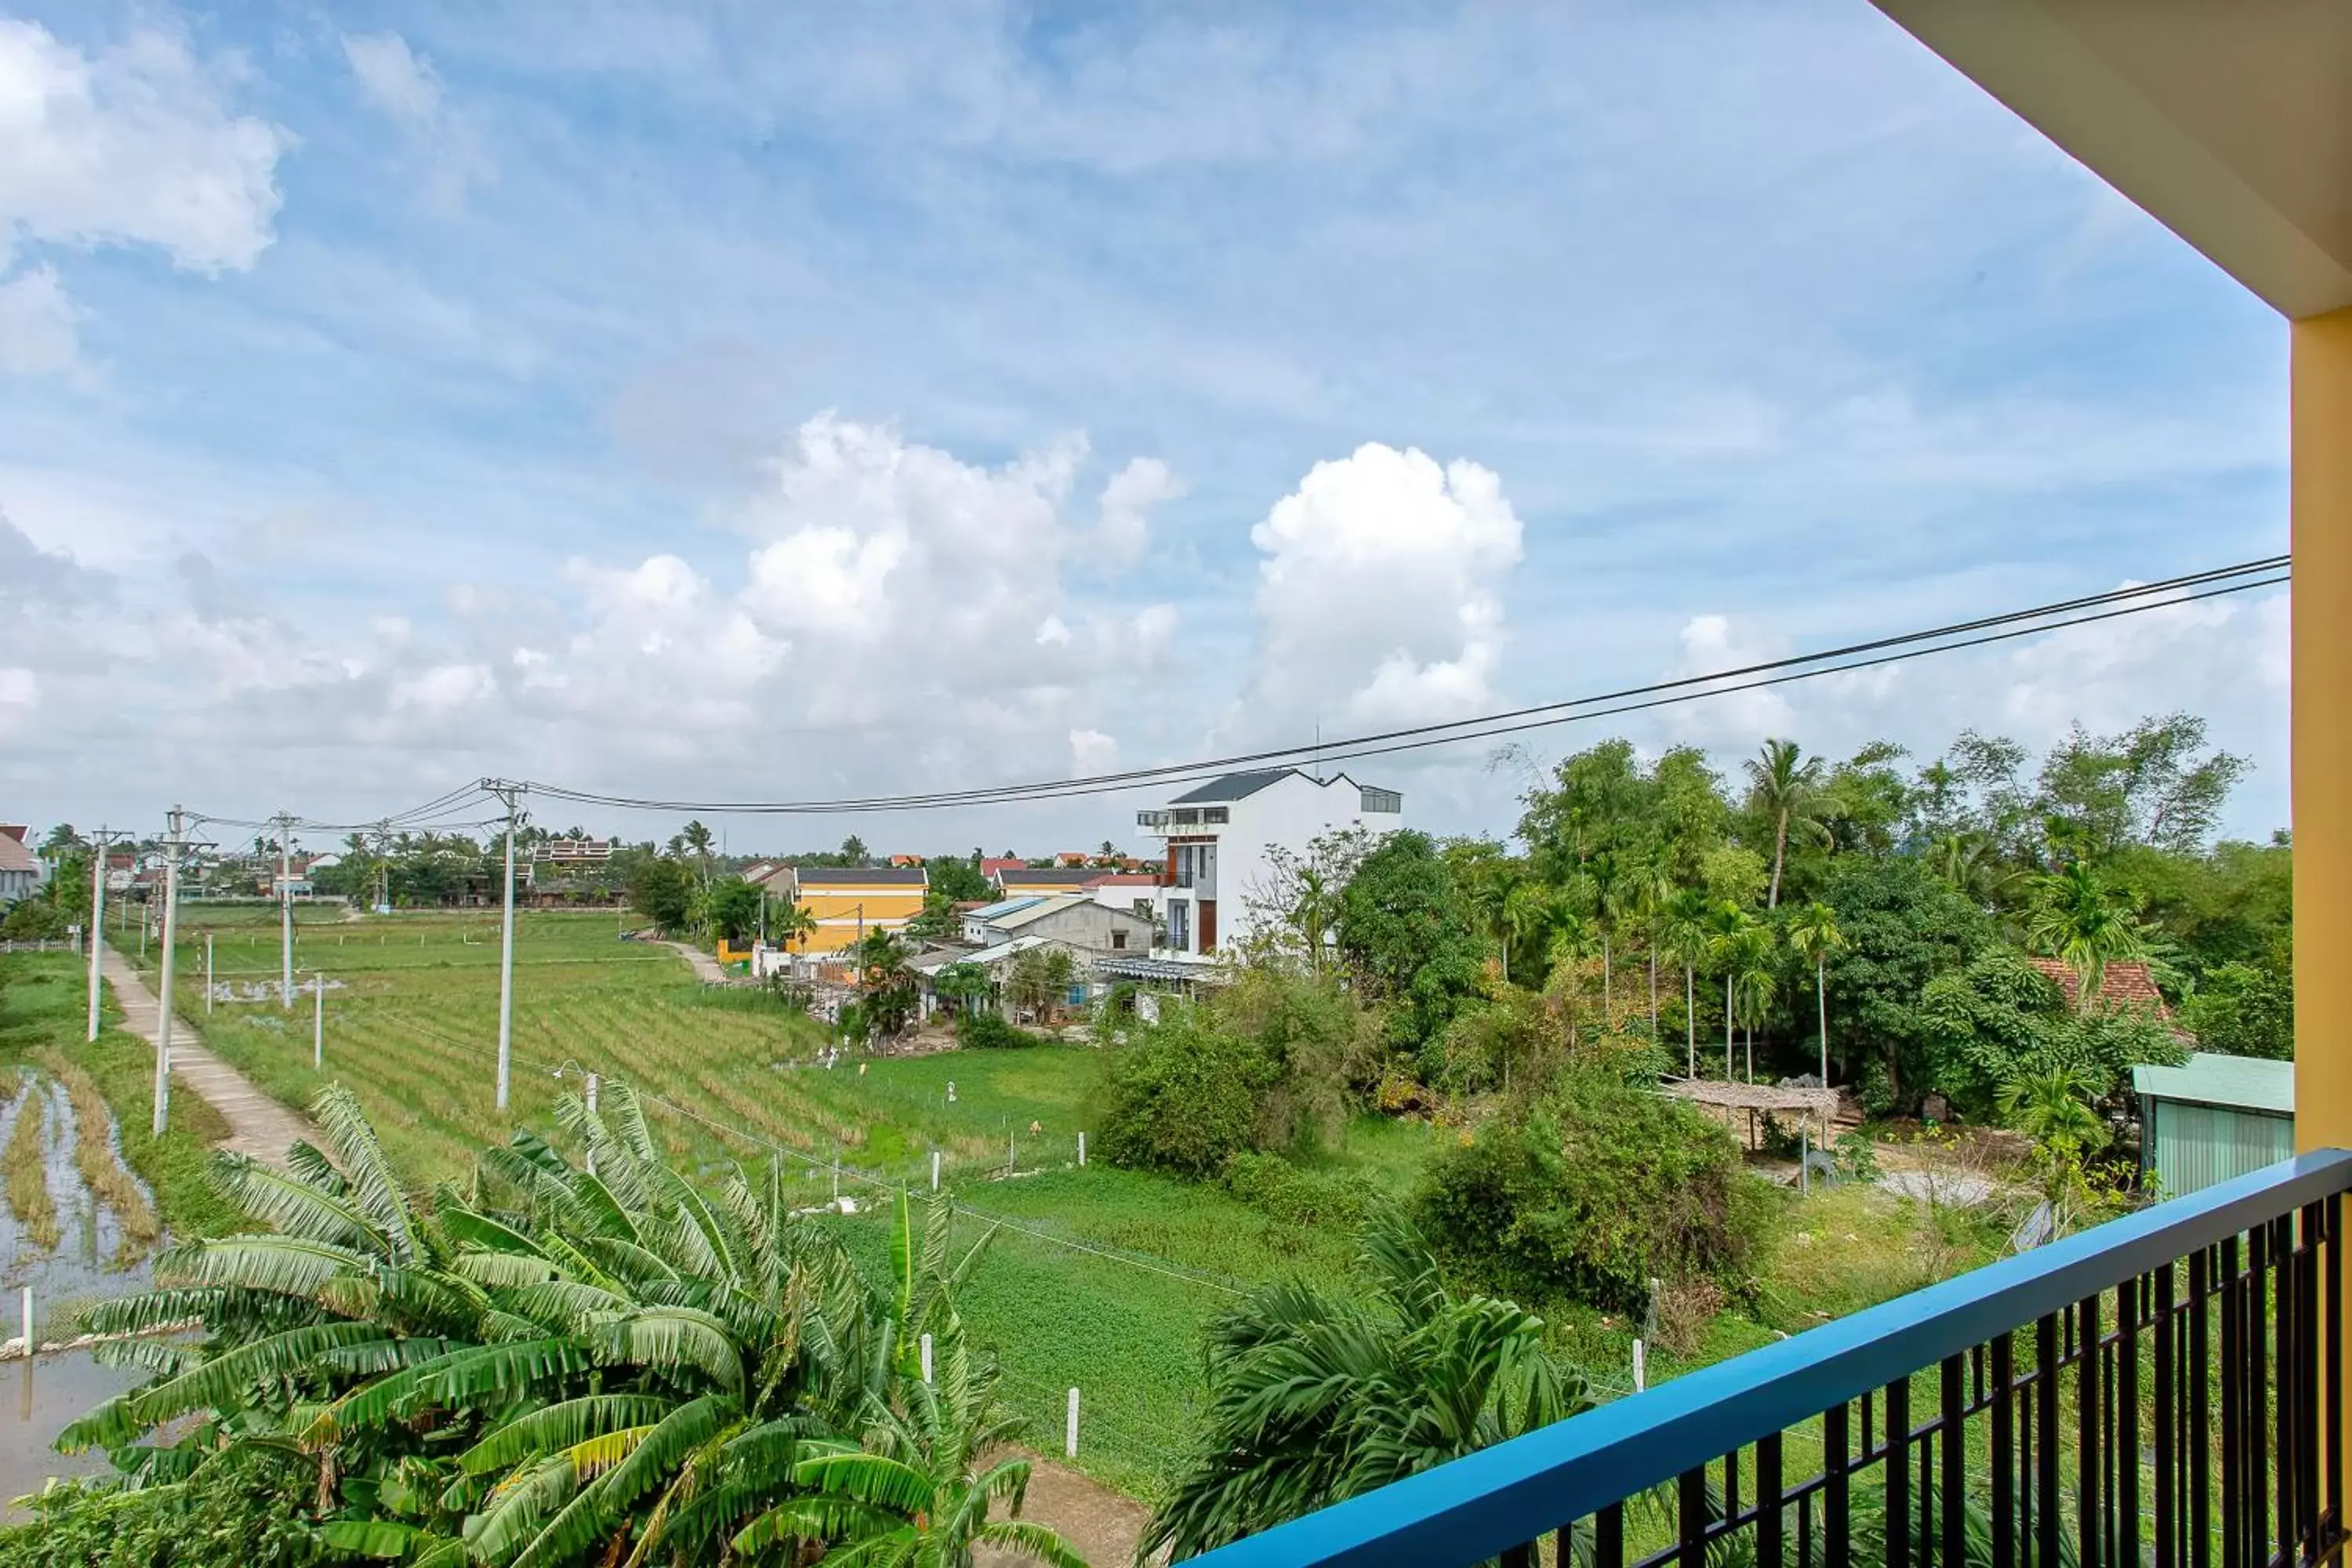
1097, 1279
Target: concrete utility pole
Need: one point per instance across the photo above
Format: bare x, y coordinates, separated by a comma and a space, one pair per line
97, 921
511, 793
284, 825
164, 999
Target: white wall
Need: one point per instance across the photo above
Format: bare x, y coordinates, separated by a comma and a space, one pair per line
1287, 815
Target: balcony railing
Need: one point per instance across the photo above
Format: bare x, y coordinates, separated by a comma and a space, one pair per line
2163, 1391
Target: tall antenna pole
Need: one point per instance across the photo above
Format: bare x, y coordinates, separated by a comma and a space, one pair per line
510, 793
171, 947
284, 825
97, 932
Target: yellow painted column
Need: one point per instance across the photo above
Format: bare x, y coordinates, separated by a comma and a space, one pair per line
2322, 732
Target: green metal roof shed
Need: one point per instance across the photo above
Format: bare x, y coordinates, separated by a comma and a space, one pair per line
2212, 1118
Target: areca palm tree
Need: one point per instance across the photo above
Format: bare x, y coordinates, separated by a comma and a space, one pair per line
1728, 929
1686, 936
1792, 791
1815, 934
2079, 920
1318, 1396
1754, 983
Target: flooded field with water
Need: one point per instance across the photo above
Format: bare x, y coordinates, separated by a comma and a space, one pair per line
75, 1226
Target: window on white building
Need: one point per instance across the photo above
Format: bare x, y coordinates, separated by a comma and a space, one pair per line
1180, 924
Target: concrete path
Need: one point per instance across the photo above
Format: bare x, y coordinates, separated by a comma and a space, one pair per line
257, 1125
706, 968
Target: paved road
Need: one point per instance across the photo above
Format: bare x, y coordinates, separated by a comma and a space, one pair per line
706, 968
258, 1125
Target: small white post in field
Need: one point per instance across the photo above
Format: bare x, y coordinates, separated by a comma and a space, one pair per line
1070, 1432
1641, 1366
592, 1111
1082, 1151
1805, 1164
208, 974
935, 1169
317, 1023
927, 1358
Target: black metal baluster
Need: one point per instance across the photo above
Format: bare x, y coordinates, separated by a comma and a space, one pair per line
2283, 1391
2233, 1418
2196, 1453
1692, 1521
1898, 1473
1768, 1502
2253, 1343
2004, 1454
2331, 1460
2131, 1309
1517, 1557
1730, 1489
1951, 1481
2086, 1434
1805, 1531
2308, 1406
1608, 1539
2168, 1497
2046, 1519
1836, 1500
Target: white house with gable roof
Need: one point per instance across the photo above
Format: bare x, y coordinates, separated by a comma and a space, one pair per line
1221, 836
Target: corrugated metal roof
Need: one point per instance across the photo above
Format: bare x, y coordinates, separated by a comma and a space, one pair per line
859, 876
1232, 786
2209, 1077
1005, 907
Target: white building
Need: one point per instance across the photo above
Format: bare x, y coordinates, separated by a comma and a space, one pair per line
1220, 836
21, 871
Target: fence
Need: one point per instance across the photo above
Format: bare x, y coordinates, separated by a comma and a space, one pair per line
2165, 1390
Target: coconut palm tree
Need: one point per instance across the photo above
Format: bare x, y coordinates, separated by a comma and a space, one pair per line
1317, 1395
697, 841
2079, 920
1792, 791
1814, 933
1685, 937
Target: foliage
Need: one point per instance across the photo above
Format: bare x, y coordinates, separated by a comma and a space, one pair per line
2001, 1020
1261, 1066
1408, 938
731, 910
663, 892
2080, 920
1039, 980
1296, 908
1790, 791
1591, 1191
1318, 1396
2146, 786
2243, 1010
1276, 1185
603, 1357
986, 1031
1903, 928
243, 1511
34, 920
958, 881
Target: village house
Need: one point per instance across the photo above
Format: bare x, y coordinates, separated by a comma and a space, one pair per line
848, 902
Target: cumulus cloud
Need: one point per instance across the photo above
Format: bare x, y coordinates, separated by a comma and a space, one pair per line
402, 86
38, 322
1091, 752
1124, 527
136, 144
1379, 592
1736, 719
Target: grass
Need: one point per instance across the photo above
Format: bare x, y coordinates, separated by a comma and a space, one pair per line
24, 1163
94, 1154
42, 1003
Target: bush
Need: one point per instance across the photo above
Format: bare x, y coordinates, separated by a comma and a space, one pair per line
986, 1031
2243, 1010
1271, 1184
247, 1515
34, 920
1262, 1067
1593, 1190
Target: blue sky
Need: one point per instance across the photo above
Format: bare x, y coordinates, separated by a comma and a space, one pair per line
774, 401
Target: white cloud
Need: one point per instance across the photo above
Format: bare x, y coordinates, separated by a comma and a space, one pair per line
20, 694
134, 145
36, 324
442, 687
402, 86
1091, 752
1379, 595
1737, 718
1125, 525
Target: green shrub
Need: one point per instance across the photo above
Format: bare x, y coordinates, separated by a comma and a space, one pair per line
1262, 1067
2243, 1010
1272, 1184
1591, 1191
986, 1031
249, 1514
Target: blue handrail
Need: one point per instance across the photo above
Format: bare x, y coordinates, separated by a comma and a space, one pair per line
1473, 1508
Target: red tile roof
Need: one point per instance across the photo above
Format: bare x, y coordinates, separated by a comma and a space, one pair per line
2125, 984
990, 867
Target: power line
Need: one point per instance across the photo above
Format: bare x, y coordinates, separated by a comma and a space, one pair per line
1953, 636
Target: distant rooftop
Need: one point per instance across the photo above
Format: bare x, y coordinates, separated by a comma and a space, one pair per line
1049, 877
1004, 907
1241, 787
860, 875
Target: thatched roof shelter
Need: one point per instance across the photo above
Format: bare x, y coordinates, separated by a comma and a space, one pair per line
1818, 1107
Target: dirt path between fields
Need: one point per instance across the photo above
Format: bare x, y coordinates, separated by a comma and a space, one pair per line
706, 968
258, 1125
1104, 1525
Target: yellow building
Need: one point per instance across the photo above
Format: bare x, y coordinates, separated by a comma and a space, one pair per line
847, 902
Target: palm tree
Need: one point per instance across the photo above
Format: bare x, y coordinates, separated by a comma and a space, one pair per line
1728, 927
2079, 921
1316, 1396
1686, 937
793, 922
1529, 910
1313, 912
1792, 791
1815, 934
697, 841
1754, 983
